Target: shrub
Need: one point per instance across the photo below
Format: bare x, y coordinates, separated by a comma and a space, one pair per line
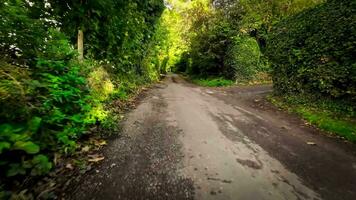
314, 51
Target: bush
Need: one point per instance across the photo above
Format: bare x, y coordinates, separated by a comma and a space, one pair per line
314, 51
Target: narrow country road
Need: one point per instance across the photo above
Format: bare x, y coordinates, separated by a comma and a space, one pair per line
188, 142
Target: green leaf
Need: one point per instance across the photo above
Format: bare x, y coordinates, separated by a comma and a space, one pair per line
4, 145
5, 129
11, 131
34, 124
41, 165
15, 169
2, 163
18, 137
29, 147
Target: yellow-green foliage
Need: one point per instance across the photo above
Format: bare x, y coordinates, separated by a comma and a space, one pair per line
100, 84
97, 113
173, 27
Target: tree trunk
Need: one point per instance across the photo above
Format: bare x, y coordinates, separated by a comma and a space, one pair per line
80, 45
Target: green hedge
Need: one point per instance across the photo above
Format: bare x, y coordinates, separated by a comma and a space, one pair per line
243, 56
315, 51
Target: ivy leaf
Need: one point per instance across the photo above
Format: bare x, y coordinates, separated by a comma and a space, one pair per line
4, 145
15, 169
6, 129
29, 147
34, 124
41, 165
18, 137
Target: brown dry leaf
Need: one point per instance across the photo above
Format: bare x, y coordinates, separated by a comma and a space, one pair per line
99, 143
311, 143
95, 158
69, 166
93, 155
85, 148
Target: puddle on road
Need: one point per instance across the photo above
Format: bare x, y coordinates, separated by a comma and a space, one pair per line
223, 168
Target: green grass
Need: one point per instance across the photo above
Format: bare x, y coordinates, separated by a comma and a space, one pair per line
334, 117
213, 82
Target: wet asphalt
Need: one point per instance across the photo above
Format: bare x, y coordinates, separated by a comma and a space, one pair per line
188, 142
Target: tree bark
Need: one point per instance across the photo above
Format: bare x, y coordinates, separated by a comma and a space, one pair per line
80, 45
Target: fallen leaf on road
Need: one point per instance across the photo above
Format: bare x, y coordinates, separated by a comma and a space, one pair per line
85, 149
69, 166
311, 143
99, 143
95, 158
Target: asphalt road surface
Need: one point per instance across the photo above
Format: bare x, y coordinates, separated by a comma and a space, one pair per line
187, 142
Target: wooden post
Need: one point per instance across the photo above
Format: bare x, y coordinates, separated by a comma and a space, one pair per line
80, 45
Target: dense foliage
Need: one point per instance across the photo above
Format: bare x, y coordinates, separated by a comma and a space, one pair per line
314, 51
214, 36
225, 37
49, 99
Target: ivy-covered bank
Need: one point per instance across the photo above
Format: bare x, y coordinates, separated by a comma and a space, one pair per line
61, 63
